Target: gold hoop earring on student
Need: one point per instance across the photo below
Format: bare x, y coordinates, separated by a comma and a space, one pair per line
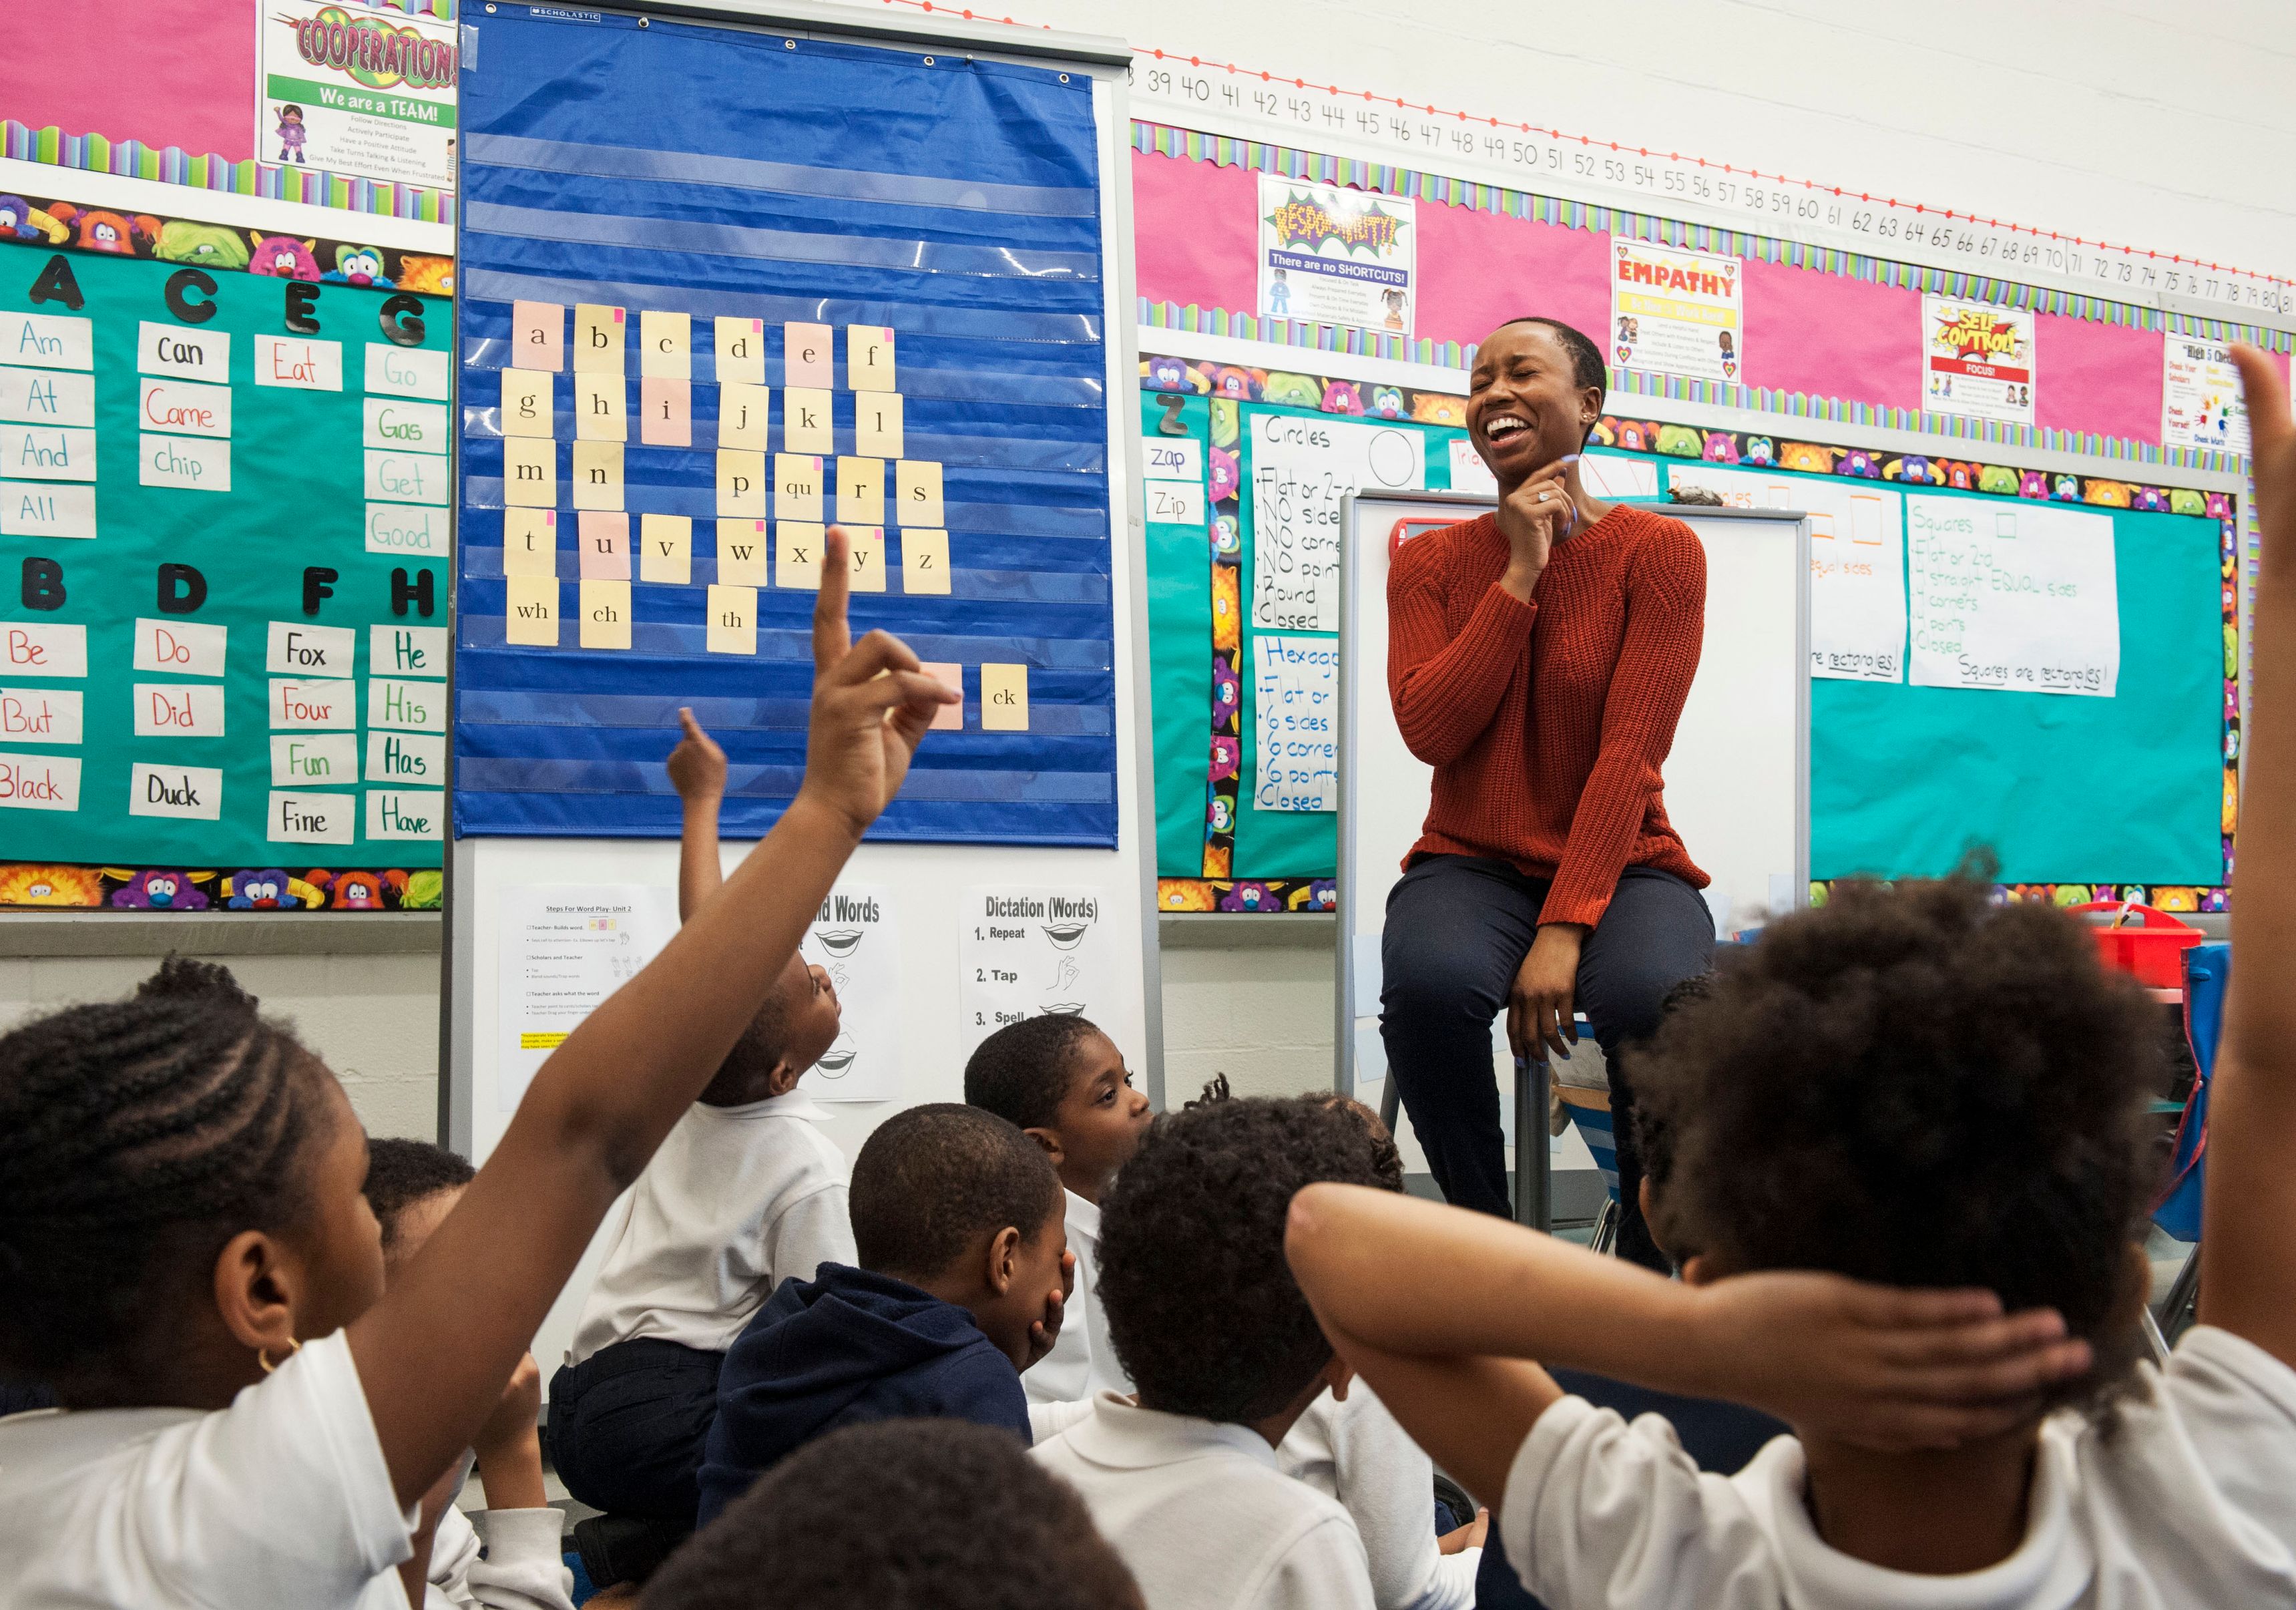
263, 1355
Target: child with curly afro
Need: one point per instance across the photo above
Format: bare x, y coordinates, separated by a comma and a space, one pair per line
1226, 1356
1894, 1119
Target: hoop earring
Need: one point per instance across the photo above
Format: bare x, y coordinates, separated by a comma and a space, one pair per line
263, 1355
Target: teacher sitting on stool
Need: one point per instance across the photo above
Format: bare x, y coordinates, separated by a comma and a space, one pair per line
1538, 659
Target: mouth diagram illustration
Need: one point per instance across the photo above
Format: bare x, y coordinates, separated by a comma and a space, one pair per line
837, 1062
1066, 936
840, 942
1066, 1008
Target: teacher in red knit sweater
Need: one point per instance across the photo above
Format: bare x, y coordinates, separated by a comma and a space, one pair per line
1538, 659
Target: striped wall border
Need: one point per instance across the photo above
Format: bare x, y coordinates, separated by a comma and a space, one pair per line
172, 165
1799, 404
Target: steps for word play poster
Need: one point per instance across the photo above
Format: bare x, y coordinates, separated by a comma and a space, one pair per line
1026, 951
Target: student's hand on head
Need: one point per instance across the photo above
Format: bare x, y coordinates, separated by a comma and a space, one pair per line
1884, 1367
697, 766
872, 703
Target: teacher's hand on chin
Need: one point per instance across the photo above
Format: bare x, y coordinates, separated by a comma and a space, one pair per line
1534, 517
1539, 1016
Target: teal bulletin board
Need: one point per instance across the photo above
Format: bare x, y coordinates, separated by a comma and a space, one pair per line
1182, 669
223, 522
1904, 780
2075, 796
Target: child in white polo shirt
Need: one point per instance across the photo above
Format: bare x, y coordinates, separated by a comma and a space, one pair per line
1226, 1356
745, 1193
1063, 1082
1347, 1445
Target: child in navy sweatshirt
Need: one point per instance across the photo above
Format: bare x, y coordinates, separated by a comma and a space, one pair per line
965, 1271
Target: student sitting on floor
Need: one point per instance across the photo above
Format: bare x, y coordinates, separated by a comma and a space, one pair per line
412, 1185
902, 1515
1917, 1087
745, 1193
249, 1417
1347, 1445
1065, 1084
1226, 1357
963, 1271
1718, 1436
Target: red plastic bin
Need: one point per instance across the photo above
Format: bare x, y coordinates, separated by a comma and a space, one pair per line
2146, 943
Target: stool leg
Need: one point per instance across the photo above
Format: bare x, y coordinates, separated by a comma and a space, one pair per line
1534, 1195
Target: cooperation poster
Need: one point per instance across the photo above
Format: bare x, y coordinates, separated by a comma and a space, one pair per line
352, 91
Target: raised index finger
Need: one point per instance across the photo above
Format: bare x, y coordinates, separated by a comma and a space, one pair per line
832, 636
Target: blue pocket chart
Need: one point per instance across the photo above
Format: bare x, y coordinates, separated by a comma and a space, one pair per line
719, 289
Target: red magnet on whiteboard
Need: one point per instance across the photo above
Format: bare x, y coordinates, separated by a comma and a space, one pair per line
1407, 528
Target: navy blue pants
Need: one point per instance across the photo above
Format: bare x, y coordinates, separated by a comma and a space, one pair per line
1458, 929
627, 1423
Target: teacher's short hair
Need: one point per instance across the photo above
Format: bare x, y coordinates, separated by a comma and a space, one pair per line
1586, 366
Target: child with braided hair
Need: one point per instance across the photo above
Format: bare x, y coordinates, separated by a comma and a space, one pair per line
185, 1257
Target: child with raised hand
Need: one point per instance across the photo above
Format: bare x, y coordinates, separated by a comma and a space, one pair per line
186, 1255
1922, 1089
1187, 1481
411, 1186
963, 1271
745, 1193
1064, 1084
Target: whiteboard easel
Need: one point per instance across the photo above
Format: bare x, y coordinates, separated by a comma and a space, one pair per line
1737, 782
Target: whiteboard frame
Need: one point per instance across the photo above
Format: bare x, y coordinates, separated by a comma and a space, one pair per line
1377, 512
922, 877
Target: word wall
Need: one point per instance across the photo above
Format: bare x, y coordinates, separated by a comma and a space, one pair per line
776, 489
223, 506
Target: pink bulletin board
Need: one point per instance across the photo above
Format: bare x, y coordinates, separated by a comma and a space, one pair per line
1829, 334
190, 84
165, 90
